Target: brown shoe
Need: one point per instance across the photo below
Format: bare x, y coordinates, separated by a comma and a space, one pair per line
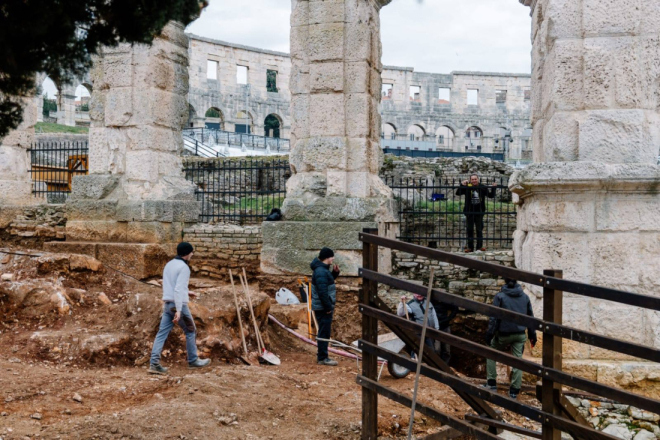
483, 249
467, 250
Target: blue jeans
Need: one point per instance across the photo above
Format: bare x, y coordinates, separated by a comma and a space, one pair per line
166, 324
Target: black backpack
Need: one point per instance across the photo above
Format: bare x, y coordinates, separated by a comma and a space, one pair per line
275, 215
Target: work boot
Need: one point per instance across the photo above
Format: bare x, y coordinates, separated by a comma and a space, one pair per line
157, 369
199, 363
329, 362
513, 393
467, 250
490, 385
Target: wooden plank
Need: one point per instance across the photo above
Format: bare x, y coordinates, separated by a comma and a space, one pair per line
445, 433
505, 426
552, 350
527, 366
619, 296
554, 329
369, 333
433, 413
574, 429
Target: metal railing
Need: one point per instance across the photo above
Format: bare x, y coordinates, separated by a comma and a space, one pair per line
53, 165
212, 136
556, 413
238, 191
433, 212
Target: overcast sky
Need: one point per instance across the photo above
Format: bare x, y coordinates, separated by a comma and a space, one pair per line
436, 36
432, 36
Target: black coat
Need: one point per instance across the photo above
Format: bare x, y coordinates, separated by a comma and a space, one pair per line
445, 313
484, 191
516, 300
324, 291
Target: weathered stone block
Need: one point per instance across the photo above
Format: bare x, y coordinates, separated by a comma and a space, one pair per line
82, 209
326, 12
327, 115
323, 42
617, 136
565, 67
93, 186
96, 231
141, 165
611, 17
119, 107
327, 77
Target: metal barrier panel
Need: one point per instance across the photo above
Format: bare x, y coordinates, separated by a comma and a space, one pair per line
438, 212
53, 165
238, 191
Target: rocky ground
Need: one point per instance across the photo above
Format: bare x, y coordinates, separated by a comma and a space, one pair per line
74, 343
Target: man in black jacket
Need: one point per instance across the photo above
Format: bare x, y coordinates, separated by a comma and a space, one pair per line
474, 209
324, 297
501, 333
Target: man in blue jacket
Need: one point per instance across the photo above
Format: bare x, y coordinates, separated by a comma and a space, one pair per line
324, 297
502, 333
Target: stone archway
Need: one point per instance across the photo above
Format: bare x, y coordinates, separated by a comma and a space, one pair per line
273, 125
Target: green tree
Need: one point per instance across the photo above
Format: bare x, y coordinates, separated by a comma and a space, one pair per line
84, 108
59, 38
50, 105
212, 113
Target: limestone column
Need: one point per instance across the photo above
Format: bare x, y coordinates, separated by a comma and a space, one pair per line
590, 204
15, 179
66, 106
335, 85
136, 192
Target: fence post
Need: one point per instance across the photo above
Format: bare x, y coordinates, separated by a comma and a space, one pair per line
369, 334
552, 355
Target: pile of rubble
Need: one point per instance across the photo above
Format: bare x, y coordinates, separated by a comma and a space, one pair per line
72, 308
401, 167
622, 421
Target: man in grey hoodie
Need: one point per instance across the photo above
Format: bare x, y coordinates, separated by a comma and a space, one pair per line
175, 310
502, 333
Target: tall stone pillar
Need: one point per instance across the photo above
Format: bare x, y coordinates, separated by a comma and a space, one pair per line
135, 192
590, 204
66, 105
335, 85
15, 179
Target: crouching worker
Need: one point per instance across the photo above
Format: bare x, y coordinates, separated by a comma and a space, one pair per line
416, 308
175, 310
324, 297
503, 333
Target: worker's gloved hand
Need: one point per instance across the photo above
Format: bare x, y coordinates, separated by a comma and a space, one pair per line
335, 271
489, 337
532, 340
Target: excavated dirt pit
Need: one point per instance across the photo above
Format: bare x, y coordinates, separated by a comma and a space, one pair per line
73, 365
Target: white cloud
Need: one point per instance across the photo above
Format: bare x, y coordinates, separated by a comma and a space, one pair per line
431, 36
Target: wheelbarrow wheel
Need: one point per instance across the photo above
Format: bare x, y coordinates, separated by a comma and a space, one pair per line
398, 371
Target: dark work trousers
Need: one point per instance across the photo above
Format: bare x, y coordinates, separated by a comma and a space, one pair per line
325, 323
445, 349
472, 221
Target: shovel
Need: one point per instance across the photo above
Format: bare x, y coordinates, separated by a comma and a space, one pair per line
245, 358
264, 354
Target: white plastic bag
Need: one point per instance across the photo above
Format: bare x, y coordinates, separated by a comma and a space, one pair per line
284, 296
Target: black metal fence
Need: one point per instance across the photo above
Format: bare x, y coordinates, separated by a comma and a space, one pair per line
238, 191
433, 212
53, 165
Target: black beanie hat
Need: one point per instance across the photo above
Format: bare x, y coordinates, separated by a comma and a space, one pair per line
326, 253
184, 248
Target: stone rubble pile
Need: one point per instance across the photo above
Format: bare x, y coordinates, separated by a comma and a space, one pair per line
46, 221
401, 167
622, 421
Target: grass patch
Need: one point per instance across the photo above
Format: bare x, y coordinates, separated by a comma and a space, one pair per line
257, 205
49, 127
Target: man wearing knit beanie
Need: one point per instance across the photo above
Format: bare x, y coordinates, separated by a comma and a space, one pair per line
324, 294
175, 310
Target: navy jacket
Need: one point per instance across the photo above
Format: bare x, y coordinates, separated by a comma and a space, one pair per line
516, 300
324, 291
